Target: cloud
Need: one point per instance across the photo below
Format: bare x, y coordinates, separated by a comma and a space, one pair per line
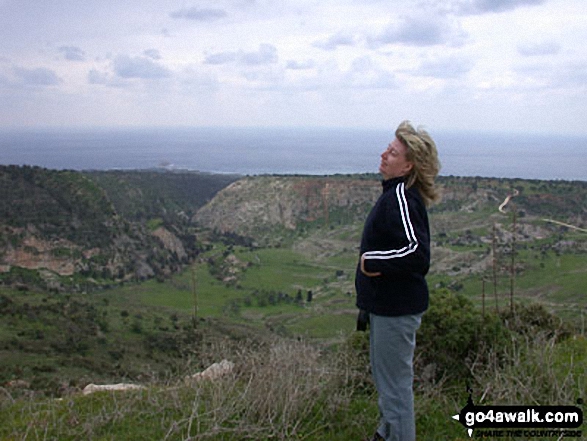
192, 80
39, 76
198, 14
574, 75
97, 77
152, 53
416, 31
539, 48
139, 67
73, 53
265, 79
331, 43
364, 73
448, 67
473, 7
221, 58
266, 54
545, 75
4, 81
296, 65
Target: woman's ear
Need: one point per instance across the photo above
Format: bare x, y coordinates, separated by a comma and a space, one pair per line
408, 168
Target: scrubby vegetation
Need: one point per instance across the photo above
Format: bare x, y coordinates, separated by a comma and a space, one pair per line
172, 197
59, 205
289, 389
72, 231
264, 278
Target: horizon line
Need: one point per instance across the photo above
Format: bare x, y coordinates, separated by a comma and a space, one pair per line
439, 130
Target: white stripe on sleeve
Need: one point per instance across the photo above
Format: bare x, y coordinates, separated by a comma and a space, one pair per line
409, 230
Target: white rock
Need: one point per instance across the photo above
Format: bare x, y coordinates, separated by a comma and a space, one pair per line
91, 388
213, 372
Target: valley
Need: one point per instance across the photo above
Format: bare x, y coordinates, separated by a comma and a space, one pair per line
149, 276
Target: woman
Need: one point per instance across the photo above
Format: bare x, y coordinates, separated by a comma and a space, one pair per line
390, 282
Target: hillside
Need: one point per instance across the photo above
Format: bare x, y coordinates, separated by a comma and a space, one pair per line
71, 231
268, 270
262, 205
272, 210
473, 231
66, 230
174, 196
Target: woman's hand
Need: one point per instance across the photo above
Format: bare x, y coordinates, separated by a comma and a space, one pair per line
364, 271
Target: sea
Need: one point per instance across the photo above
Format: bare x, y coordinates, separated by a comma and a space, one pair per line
314, 151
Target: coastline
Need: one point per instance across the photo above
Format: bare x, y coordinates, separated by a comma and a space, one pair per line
290, 151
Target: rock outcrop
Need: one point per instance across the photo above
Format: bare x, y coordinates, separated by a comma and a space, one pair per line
257, 205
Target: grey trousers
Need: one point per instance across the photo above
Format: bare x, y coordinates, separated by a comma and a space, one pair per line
392, 343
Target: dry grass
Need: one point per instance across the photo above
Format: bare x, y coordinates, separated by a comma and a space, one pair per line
293, 390
270, 395
539, 371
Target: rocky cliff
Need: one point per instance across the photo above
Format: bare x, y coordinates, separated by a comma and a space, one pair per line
257, 206
267, 207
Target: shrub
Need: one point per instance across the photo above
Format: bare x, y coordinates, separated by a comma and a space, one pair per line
531, 320
454, 334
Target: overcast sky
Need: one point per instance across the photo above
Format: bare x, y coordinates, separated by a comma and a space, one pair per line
513, 65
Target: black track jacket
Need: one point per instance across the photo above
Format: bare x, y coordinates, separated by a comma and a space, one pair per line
396, 243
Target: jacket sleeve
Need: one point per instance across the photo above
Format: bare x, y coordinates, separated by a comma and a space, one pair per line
410, 250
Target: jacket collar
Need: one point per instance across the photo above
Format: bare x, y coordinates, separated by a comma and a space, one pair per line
392, 183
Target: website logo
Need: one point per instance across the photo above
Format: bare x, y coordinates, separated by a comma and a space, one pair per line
521, 421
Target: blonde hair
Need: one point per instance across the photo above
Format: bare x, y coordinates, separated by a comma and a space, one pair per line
421, 151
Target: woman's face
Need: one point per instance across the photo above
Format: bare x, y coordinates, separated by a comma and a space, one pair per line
394, 162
